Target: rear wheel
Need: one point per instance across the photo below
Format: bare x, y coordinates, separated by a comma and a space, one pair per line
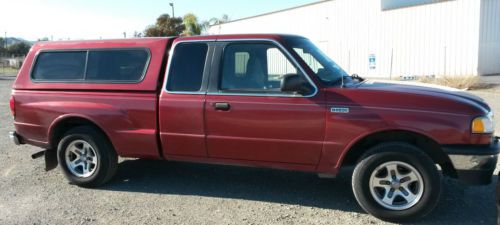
396, 182
86, 157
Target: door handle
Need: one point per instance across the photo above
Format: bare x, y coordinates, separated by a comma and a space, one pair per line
222, 106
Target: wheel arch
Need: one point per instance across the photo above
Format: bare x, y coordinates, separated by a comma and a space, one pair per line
428, 145
64, 123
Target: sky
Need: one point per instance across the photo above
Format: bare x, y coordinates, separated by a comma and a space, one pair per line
95, 19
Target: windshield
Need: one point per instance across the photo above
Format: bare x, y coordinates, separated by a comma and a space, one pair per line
323, 67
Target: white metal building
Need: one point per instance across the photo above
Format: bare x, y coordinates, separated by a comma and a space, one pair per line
392, 38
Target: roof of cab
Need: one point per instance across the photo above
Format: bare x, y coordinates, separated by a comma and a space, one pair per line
151, 40
237, 36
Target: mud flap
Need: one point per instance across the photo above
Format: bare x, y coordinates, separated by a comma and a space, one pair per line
50, 159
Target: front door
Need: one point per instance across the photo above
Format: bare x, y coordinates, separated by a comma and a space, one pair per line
248, 117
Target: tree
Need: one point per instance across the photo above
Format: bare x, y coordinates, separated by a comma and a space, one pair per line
3, 51
214, 21
20, 48
137, 34
191, 25
165, 26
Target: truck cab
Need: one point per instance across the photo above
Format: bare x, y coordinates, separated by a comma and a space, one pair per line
261, 100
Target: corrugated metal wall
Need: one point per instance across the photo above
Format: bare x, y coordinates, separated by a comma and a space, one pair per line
489, 37
278, 64
432, 39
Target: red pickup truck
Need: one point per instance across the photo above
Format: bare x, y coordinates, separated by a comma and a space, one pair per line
256, 100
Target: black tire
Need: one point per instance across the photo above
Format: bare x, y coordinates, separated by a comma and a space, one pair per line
107, 159
409, 155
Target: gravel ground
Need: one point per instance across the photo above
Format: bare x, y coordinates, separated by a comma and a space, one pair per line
151, 192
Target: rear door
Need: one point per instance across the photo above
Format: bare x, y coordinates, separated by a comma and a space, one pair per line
182, 100
247, 115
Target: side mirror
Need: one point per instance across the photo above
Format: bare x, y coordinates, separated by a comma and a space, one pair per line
296, 83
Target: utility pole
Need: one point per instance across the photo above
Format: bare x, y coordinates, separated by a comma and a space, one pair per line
5, 40
124, 34
173, 12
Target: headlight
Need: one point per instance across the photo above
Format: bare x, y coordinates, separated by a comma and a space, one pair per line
483, 124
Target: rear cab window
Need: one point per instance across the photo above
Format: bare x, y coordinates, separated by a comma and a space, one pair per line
187, 67
91, 65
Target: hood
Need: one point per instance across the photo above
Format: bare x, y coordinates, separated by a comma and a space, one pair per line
422, 89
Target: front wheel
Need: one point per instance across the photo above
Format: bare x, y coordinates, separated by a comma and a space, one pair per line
86, 157
396, 182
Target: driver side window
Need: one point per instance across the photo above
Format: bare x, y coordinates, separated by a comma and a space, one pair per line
254, 68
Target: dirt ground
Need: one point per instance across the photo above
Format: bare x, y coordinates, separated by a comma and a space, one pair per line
151, 192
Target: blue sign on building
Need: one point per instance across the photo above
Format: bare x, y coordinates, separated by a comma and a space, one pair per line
372, 64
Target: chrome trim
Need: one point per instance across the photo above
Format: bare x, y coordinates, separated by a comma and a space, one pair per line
81, 154
255, 95
289, 56
167, 71
86, 65
14, 138
339, 109
471, 162
279, 45
388, 181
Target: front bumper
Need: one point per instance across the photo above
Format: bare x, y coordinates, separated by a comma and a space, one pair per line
474, 163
